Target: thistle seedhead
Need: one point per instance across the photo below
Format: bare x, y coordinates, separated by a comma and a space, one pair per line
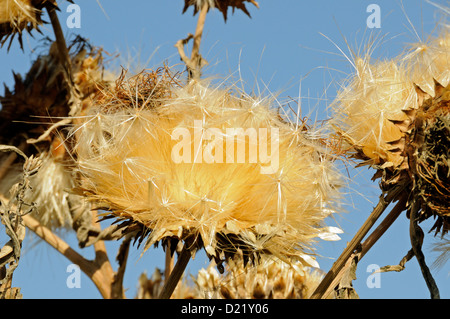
30, 117
394, 117
164, 164
271, 279
17, 16
221, 5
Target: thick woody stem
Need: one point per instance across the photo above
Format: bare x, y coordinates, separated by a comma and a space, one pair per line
168, 262
59, 36
177, 272
96, 270
330, 278
370, 241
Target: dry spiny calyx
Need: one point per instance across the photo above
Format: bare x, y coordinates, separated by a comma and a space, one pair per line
394, 116
150, 288
17, 16
154, 153
221, 5
44, 93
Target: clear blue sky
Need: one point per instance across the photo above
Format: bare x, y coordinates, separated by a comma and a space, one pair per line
282, 48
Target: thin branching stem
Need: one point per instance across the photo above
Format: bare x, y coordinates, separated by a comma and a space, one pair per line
195, 55
64, 57
384, 225
416, 235
195, 62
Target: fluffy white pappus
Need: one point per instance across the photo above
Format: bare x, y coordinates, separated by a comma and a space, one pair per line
428, 62
367, 109
379, 104
51, 187
442, 249
209, 163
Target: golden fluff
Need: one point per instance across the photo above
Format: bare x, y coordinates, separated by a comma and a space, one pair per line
16, 12
394, 115
130, 161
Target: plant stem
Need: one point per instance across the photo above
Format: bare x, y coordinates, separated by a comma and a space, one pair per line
93, 269
416, 235
370, 241
177, 272
122, 257
384, 225
195, 62
195, 55
64, 58
59, 36
168, 262
329, 278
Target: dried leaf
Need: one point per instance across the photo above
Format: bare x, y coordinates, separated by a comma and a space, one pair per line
345, 289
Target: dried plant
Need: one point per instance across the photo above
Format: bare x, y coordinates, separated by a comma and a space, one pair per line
11, 212
28, 121
394, 116
116, 144
196, 62
19, 15
270, 279
221, 5
151, 288
125, 153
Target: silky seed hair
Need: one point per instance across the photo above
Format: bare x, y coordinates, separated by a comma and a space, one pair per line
393, 115
125, 150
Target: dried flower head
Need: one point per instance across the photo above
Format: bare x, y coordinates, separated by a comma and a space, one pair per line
19, 15
50, 191
271, 279
394, 116
207, 167
150, 288
221, 5
44, 92
33, 117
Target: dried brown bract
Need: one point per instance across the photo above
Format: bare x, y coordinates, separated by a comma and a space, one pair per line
394, 116
17, 16
221, 5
